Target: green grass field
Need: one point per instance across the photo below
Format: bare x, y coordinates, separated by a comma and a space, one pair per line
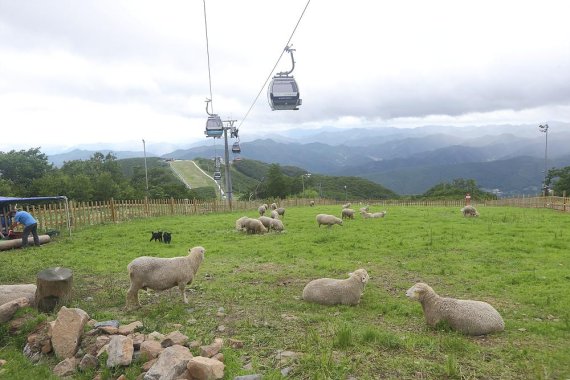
191, 174
516, 259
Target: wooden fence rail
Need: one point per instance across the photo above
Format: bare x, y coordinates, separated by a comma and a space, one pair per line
53, 215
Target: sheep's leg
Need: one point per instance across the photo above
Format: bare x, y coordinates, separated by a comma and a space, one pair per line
133, 296
182, 288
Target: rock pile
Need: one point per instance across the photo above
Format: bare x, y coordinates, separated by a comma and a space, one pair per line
164, 356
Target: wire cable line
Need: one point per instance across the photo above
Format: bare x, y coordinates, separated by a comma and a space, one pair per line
275, 66
208, 55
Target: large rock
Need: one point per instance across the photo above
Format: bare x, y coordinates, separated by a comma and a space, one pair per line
120, 351
11, 292
66, 331
171, 363
201, 368
66, 367
150, 349
212, 349
10, 308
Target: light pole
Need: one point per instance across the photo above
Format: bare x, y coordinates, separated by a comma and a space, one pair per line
145, 167
544, 129
303, 181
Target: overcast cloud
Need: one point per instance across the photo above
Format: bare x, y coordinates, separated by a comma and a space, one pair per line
116, 71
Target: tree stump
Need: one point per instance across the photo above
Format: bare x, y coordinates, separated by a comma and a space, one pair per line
53, 288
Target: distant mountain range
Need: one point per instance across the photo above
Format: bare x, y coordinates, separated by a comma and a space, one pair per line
507, 158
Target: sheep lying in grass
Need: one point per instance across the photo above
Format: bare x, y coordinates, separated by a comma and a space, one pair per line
364, 209
347, 213
281, 212
329, 291
163, 273
346, 205
466, 316
254, 226
328, 220
368, 215
469, 211
239, 223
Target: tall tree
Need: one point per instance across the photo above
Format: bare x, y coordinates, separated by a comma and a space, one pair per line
22, 167
559, 179
277, 185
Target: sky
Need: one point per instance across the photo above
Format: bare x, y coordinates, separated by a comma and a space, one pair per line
114, 72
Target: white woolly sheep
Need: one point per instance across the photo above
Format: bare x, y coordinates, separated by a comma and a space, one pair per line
273, 206
274, 214
261, 209
163, 273
276, 225
266, 221
364, 209
239, 223
328, 220
281, 212
467, 316
469, 211
266, 206
347, 213
254, 226
346, 205
329, 291
311, 203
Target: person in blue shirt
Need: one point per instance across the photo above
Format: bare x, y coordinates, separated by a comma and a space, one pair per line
30, 225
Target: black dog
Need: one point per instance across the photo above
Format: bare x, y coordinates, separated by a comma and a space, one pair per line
167, 237
156, 236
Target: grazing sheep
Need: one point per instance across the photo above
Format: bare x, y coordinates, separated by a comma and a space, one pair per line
311, 203
261, 209
329, 291
239, 223
163, 273
273, 206
469, 211
346, 205
347, 213
466, 316
274, 214
281, 212
254, 226
276, 225
328, 220
266, 221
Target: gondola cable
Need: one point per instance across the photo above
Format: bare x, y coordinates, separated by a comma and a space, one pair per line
208, 56
275, 66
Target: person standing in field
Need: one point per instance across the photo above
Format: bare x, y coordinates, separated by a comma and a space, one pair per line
30, 226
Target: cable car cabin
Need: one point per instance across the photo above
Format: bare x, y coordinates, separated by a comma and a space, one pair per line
236, 148
214, 126
217, 176
283, 93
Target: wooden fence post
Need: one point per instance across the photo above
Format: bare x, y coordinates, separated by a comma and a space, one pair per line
112, 206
